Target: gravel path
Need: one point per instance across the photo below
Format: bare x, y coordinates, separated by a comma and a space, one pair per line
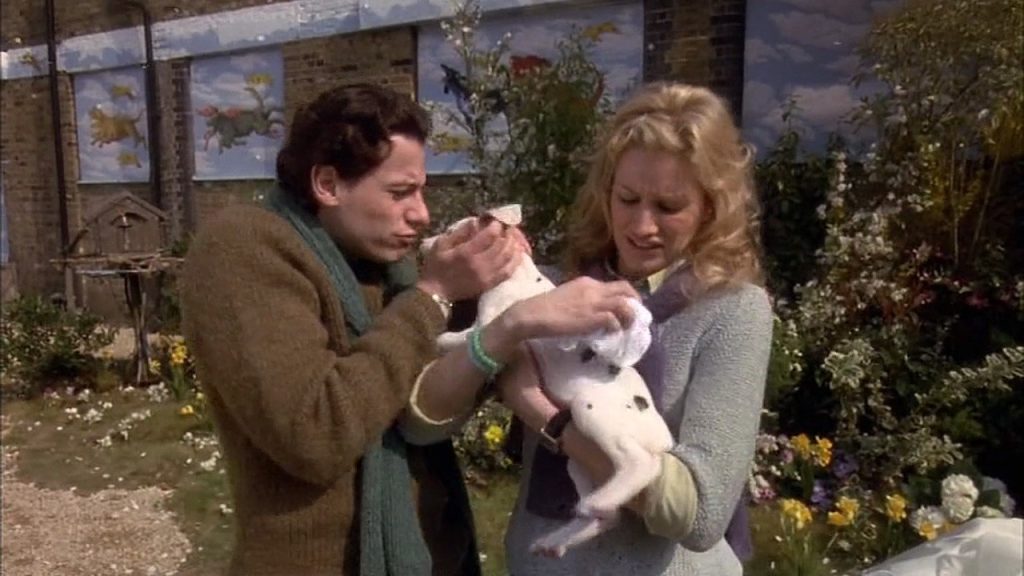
56, 532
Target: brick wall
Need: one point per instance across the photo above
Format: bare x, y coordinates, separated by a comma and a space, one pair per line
30, 184
699, 42
386, 56
687, 40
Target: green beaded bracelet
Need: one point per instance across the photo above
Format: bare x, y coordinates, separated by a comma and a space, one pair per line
480, 358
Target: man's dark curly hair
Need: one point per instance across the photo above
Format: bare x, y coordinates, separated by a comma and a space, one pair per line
349, 128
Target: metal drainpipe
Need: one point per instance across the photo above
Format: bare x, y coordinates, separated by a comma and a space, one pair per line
152, 104
58, 147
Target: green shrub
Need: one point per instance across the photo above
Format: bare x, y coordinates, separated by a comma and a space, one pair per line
42, 344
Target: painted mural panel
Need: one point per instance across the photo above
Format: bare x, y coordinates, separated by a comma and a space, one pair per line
224, 31
23, 62
110, 109
112, 49
237, 115
394, 12
804, 51
618, 53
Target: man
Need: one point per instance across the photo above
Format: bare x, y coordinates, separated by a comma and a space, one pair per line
301, 382
312, 332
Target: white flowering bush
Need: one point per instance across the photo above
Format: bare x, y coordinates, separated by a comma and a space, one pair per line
911, 325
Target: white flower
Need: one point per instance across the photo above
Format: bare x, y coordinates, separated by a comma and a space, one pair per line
1007, 504
989, 512
930, 514
210, 463
93, 416
958, 508
958, 485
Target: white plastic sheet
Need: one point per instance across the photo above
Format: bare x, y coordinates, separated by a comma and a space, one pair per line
980, 547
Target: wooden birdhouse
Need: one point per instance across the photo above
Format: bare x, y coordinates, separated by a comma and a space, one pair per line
122, 224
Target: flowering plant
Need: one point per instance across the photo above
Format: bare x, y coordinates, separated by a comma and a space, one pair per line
480, 444
174, 367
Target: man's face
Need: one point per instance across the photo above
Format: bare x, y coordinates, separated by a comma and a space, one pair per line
381, 216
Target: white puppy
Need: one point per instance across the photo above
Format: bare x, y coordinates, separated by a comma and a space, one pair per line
608, 399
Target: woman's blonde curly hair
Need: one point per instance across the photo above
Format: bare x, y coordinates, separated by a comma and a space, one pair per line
695, 125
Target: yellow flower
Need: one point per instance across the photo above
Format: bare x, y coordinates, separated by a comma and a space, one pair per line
822, 451
797, 511
895, 507
839, 519
187, 410
802, 445
179, 353
848, 506
154, 366
928, 531
845, 513
494, 435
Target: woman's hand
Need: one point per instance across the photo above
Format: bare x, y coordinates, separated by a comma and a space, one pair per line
575, 308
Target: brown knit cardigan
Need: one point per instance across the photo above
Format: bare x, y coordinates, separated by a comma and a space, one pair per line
296, 403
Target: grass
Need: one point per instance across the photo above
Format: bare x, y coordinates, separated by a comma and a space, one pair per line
58, 453
492, 501
61, 453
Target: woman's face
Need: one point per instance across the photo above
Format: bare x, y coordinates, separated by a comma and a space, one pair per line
657, 207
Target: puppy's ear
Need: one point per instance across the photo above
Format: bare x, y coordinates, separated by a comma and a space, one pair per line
428, 243
509, 215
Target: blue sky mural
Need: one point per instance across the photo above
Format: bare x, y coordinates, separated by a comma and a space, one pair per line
619, 54
805, 50
237, 115
112, 49
110, 110
394, 12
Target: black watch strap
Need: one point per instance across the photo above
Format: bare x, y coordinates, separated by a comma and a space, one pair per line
551, 433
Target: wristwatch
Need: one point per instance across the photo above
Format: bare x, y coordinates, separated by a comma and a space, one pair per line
551, 432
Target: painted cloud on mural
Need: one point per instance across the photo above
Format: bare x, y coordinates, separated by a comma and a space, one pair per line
112, 49
110, 109
394, 12
804, 51
535, 35
237, 115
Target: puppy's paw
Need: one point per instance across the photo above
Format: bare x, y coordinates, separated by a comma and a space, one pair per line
549, 547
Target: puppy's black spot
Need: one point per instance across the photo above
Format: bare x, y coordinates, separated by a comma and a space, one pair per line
590, 406
641, 403
539, 279
587, 355
614, 370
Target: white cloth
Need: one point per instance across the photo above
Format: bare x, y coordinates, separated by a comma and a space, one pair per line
979, 547
621, 347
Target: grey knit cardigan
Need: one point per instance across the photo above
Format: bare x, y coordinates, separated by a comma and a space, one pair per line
716, 354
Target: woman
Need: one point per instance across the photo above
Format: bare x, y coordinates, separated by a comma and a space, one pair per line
668, 205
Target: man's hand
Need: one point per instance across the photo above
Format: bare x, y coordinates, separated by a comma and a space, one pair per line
470, 260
